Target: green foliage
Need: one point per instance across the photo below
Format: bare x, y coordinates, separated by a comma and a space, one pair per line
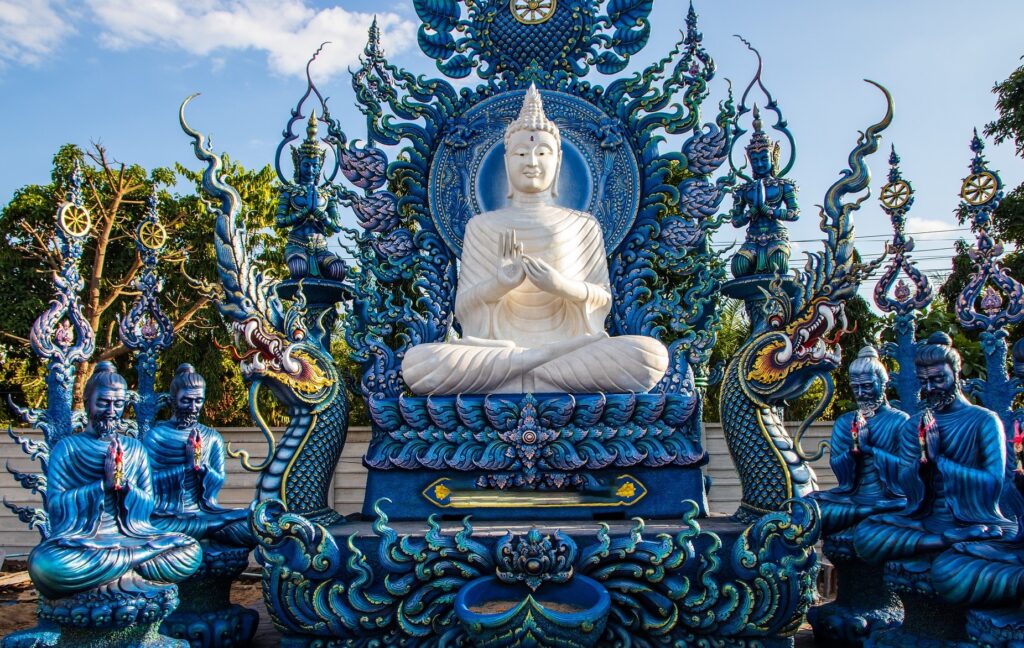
735, 327
1010, 104
941, 317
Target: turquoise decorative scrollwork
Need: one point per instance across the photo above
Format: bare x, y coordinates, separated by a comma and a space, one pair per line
668, 589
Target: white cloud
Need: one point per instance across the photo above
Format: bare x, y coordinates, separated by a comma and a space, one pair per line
29, 30
926, 228
288, 31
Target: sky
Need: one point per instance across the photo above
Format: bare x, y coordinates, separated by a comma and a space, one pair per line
115, 71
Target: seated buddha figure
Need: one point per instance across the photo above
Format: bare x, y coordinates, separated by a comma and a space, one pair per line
533, 292
865, 450
99, 499
188, 460
954, 457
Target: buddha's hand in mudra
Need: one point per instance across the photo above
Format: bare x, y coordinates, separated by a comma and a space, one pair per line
551, 281
511, 271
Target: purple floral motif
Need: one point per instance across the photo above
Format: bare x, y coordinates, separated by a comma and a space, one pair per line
902, 291
535, 559
991, 302
64, 336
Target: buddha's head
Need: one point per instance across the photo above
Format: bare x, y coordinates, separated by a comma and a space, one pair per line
868, 378
308, 158
762, 153
533, 150
105, 396
188, 395
937, 365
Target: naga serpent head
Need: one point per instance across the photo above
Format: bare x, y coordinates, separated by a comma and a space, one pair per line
790, 355
290, 360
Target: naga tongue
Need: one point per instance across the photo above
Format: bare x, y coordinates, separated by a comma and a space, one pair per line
1018, 446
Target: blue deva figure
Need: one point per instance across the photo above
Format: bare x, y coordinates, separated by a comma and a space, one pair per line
188, 469
762, 205
865, 451
99, 498
955, 455
311, 211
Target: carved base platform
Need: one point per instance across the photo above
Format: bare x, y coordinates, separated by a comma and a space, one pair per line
126, 613
865, 603
1002, 628
465, 583
928, 621
516, 457
206, 618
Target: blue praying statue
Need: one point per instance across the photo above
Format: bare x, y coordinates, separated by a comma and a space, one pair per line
99, 499
762, 205
865, 451
311, 211
188, 469
954, 456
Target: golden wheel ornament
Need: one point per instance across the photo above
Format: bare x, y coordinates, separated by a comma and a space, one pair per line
74, 220
895, 195
979, 188
152, 235
532, 12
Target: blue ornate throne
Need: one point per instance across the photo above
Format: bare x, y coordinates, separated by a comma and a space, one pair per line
548, 455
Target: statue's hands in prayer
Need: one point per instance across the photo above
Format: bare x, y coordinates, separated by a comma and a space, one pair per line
511, 271
552, 281
931, 442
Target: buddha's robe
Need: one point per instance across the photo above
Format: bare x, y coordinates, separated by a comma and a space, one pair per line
869, 481
529, 340
98, 534
951, 498
186, 499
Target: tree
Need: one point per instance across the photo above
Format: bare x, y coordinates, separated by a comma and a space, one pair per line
115, 194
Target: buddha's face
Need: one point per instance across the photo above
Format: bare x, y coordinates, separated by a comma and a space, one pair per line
532, 159
761, 164
867, 388
106, 407
188, 405
938, 385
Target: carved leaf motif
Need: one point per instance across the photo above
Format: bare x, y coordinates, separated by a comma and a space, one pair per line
627, 13
441, 15
608, 63
631, 41
439, 45
458, 67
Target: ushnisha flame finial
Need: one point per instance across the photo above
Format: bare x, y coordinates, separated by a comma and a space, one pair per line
532, 117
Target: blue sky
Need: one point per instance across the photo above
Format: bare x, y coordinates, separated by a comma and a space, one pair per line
114, 71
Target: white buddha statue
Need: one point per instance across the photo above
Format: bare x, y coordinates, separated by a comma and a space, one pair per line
533, 292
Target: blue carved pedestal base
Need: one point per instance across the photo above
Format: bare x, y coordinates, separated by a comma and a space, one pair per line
928, 621
865, 603
516, 584
206, 618
1001, 628
525, 456
124, 614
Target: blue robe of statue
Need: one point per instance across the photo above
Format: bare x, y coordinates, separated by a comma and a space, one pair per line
98, 534
869, 481
186, 499
953, 498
